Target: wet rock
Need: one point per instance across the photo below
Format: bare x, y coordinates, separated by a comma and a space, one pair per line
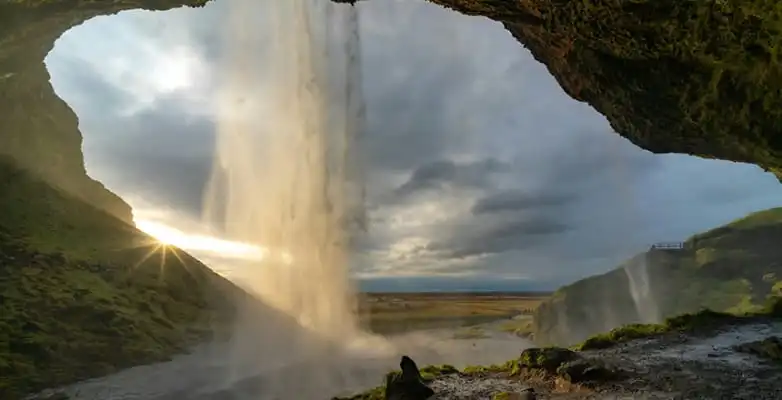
407, 385
548, 358
526, 394
769, 348
585, 370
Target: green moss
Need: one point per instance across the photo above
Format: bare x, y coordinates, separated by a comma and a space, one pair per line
621, 334
434, 371
547, 358
702, 321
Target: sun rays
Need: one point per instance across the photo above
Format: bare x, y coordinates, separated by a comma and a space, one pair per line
161, 240
157, 247
198, 242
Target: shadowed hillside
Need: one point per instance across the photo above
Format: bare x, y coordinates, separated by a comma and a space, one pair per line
733, 268
83, 293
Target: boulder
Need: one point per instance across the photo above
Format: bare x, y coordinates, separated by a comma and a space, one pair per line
585, 370
407, 385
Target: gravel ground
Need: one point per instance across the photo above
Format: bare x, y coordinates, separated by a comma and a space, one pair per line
669, 367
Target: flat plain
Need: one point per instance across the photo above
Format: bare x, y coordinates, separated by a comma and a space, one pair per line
393, 313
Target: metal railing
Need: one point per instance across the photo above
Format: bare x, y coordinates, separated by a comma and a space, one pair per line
669, 246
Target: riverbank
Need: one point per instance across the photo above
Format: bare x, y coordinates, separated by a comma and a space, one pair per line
737, 360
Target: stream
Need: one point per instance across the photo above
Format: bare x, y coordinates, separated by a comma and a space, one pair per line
217, 372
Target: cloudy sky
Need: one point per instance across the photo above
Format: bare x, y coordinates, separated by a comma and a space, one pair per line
481, 169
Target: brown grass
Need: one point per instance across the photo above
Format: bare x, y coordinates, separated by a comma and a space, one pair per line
398, 312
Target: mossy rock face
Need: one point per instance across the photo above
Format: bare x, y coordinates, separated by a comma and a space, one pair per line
693, 77
547, 358
84, 294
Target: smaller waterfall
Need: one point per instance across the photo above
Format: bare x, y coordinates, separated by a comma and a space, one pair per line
637, 271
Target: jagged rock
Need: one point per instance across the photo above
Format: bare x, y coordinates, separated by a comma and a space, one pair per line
769, 348
585, 370
548, 358
526, 394
407, 385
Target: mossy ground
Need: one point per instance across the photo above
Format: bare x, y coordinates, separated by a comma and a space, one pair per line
570, 366
694, 323
83, 294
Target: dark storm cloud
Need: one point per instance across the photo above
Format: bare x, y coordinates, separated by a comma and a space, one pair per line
501, 236
162, 154
516, 200
434, 174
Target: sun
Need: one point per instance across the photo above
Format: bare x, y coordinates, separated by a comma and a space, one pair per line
165, 235
169, 236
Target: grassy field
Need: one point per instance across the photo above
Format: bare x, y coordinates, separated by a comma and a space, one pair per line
389, 313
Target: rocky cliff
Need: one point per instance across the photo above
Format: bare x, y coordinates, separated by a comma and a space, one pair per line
733, 268
694, 77
39, 133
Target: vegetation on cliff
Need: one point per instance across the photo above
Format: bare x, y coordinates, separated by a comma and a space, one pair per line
83, 293
733, 269
700, 322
